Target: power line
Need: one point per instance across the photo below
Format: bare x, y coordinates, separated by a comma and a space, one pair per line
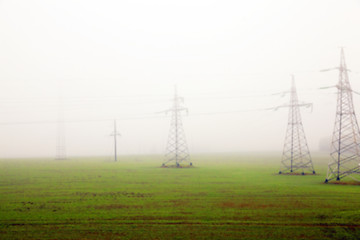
139, 117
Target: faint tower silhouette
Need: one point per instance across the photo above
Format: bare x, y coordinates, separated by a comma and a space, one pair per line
345, 148
61, 139
176, 150
115, 134
296, 155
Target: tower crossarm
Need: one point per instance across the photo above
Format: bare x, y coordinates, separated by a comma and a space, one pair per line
307, 105
179, 109
336, 68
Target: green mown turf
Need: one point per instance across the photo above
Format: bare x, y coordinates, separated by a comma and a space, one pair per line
222, 197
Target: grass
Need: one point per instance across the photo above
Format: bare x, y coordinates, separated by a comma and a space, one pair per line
222, 196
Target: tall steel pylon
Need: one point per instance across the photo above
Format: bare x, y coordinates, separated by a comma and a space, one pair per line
296, 155
177, 154
345, 144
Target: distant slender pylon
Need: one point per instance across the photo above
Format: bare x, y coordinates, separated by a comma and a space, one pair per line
177, 154
60, 143
115, 134
296, 155
345, 145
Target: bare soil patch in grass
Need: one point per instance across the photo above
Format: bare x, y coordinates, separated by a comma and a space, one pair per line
344, 183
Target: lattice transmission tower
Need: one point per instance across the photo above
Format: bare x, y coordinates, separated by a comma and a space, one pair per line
296, 155
177, 153
345, 144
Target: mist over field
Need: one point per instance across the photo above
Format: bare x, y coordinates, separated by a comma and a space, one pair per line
97, 61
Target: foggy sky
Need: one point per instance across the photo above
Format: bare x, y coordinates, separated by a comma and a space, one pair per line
121, 59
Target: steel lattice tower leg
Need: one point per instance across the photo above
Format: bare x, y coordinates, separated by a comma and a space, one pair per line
296, 155
345, 145
177, 153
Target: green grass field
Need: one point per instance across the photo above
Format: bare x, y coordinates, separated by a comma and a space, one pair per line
222, 197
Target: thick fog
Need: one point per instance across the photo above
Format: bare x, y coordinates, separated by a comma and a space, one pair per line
105, 60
